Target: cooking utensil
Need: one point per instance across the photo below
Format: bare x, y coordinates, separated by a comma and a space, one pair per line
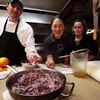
11, 68
28, 65
48, 96
64, 56
35, 63
77, 51
81, 50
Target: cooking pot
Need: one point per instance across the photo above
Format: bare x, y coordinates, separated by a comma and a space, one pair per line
48, 96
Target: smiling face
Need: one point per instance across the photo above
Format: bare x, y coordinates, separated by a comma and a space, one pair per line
14, 11
57, 28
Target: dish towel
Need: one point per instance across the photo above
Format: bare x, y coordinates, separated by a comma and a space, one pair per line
4, 74
6, 95
93, 69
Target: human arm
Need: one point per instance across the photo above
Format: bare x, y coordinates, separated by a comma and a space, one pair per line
26, 37
31, 52
66, 60
47, 47
93, 50
90, 57
49, 62
32, 56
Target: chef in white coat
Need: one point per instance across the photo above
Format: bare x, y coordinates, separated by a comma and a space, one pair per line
16, 36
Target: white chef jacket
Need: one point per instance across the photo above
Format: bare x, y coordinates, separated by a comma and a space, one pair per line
25, 33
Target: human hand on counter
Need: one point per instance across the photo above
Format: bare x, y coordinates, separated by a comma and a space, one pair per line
66, 60
50, 63
34, 56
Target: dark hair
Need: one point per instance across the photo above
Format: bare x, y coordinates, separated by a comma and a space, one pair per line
83, 23
57, 16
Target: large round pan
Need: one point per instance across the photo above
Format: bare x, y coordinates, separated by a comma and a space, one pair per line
49, 96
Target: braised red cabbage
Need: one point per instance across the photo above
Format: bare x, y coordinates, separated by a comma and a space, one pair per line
37, 83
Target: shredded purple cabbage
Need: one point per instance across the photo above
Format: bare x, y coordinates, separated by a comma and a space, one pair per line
37, 83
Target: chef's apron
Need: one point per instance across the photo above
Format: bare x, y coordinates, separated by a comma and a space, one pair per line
11, 47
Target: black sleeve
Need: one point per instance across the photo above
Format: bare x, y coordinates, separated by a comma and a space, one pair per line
93, 47
65, 41
47, 44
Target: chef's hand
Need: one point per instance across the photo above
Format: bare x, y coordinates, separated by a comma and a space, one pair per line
34, 56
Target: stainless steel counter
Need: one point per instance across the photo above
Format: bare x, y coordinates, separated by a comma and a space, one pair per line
85, 88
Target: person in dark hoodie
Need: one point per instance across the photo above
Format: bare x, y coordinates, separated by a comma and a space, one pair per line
80, 40
16, 36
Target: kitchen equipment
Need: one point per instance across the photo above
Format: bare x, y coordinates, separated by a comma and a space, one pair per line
64, 56
81, 50
49, 96
78, 61
27, 65
77, 51
35, 63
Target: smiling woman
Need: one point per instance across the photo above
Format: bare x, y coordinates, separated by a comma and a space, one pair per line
55, 44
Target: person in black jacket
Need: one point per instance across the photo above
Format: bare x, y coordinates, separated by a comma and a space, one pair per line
79, 39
